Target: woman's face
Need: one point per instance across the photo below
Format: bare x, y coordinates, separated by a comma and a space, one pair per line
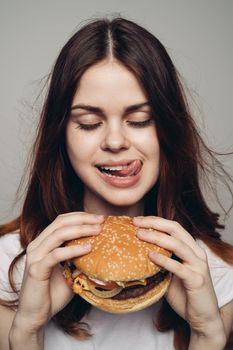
112, 146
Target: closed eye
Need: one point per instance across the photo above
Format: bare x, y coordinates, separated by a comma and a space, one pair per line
88, 126
140, 124
135, 124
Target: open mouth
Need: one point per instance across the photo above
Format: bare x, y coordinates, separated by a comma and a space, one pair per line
121, 171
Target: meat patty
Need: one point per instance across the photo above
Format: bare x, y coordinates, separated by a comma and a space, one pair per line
137, 290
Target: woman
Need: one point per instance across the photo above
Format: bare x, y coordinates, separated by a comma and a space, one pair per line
115, 98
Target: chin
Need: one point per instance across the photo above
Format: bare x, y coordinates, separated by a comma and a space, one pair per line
122, 197
123, 202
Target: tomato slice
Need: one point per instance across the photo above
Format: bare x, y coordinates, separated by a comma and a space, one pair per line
103, 284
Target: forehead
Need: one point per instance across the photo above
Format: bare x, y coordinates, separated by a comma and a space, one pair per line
109, 82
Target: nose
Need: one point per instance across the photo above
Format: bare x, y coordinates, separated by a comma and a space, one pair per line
115, 139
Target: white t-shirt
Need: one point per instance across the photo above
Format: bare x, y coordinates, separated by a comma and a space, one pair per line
131, 331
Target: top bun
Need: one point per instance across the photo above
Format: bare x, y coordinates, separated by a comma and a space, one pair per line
117, 254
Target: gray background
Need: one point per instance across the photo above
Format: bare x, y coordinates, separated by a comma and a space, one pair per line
197, 34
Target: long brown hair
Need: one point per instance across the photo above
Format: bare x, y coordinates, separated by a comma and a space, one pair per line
54, 188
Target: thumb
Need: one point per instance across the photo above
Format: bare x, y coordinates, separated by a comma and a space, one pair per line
61, 293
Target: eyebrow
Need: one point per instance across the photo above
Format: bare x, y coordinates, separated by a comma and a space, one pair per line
94, 109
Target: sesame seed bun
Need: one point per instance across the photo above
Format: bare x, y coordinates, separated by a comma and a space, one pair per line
117, 255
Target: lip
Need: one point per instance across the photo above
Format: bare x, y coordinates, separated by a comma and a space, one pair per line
120, 182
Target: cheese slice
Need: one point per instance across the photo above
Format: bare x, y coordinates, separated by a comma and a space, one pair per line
133, 283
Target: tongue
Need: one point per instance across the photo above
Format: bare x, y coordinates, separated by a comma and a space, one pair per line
132, 169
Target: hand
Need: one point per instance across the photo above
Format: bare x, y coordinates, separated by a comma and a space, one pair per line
44, 290
191, 293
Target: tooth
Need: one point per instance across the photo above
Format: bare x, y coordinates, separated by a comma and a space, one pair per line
119, 167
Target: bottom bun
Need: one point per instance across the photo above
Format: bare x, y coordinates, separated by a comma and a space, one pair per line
130, 304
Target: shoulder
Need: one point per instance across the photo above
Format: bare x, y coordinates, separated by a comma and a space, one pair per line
221, 273
215, 262
10, 243
10, 247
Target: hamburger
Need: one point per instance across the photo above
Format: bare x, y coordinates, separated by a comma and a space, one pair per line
117, 275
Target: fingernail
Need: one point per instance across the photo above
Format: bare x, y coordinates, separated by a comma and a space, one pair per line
137, 219
97, 227
141, 233
153, 254
86, 246
99, 217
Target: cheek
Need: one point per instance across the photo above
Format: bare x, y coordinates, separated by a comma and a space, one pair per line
73, 146
154, 150
79, 148
81, 152
149, 145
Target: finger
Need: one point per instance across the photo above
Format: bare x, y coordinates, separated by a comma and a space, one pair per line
63, 234
41, 270
192, 278
60, 291
180, 248
74, 218
170, 265
173, 228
